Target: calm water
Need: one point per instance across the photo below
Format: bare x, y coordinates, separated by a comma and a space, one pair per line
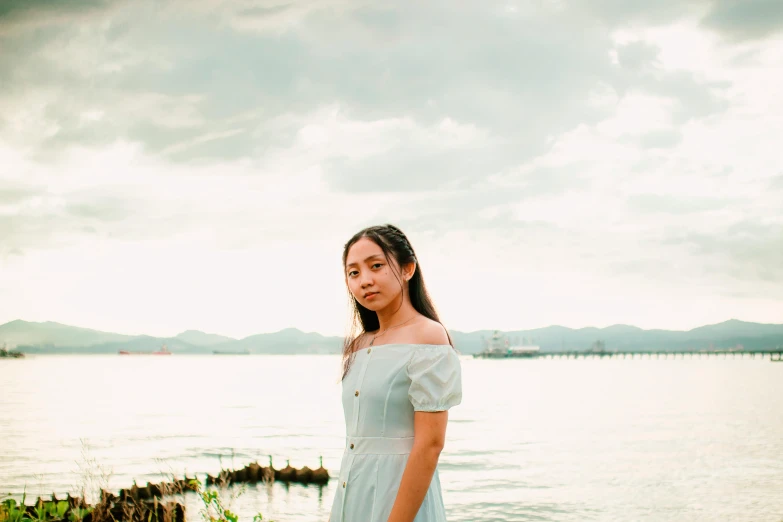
651, 440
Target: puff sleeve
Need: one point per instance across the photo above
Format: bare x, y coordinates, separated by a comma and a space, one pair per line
436, 378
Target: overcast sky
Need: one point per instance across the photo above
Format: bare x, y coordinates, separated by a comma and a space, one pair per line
200, 163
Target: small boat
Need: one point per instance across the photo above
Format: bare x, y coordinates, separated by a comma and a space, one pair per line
163, 351
243, 352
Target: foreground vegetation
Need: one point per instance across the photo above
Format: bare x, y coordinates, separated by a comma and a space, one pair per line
115, 509
150, 503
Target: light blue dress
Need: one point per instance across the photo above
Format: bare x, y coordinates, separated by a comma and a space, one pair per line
382, 389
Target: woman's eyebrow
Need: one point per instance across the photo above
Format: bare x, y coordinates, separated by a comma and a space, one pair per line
366, 259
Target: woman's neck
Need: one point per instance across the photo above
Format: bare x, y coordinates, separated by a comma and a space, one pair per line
392, 316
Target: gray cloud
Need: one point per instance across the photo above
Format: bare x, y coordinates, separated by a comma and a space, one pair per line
22, 18
743, 251
105, 210
19, 233
507, 73
637, 55
695, 99
419, 169
10, 195
736, 19
745, 20
56, 219
743, 260
669, 204
14, 11
483, 207
661, 139
192, 90
629, 12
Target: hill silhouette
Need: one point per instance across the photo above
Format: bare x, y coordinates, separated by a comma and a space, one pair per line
50, 337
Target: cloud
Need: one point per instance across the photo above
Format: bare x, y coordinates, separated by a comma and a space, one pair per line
509, 75
13, 195
574, 142
18, 16
670, 204
745, 251
637, 55
636, 12
737, 20
746, 20
660, 139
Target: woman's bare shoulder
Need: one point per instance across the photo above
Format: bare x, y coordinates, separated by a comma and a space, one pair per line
428, 331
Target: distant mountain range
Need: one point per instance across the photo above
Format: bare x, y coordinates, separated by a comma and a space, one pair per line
58, 338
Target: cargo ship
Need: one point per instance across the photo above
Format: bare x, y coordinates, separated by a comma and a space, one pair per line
162, 351
499, 347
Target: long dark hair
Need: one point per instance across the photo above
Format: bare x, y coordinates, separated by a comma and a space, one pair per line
396, 245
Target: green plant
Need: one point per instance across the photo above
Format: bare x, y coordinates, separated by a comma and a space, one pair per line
50, 511
77, 514
10, 511
43, 511
214, 508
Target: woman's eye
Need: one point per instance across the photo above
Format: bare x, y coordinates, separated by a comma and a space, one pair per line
377, 264
352, 273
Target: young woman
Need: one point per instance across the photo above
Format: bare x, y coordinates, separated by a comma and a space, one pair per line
401, 374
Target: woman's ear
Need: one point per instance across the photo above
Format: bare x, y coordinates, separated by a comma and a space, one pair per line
410, 269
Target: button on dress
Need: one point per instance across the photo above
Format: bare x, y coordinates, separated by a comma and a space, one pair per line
384, 386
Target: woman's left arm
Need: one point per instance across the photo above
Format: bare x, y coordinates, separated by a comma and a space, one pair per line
429, 438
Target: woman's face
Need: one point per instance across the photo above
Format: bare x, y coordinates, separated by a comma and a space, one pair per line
370, 278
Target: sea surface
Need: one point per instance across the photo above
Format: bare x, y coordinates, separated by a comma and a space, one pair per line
561, 440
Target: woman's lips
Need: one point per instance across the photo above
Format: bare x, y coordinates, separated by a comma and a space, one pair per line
370, 296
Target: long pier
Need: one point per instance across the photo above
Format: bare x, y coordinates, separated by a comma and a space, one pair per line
774, 354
